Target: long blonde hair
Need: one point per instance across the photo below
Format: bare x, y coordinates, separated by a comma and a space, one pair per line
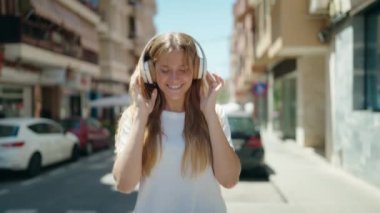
197, 155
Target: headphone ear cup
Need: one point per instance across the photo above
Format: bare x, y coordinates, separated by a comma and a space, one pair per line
151, 72
201, 69
146, 75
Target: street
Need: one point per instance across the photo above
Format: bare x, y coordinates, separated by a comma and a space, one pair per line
86, 187
69, 187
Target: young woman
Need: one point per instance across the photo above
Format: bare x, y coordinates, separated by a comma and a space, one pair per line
174, 141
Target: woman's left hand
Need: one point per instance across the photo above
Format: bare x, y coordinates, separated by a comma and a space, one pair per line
208, 98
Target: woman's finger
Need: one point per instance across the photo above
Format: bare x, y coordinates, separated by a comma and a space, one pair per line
154, 96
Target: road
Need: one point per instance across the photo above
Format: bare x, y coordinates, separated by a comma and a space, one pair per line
86, 186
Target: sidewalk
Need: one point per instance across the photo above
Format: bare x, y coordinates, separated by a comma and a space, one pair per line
309, 184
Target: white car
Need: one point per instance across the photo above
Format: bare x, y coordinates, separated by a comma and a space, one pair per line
31, 143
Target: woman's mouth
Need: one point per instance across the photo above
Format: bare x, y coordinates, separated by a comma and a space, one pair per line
175, 87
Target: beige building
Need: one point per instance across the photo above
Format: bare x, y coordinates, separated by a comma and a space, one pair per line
125, 26
320, 62
59, 54
279, 63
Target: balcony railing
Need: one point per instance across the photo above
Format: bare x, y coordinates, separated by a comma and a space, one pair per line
39, 33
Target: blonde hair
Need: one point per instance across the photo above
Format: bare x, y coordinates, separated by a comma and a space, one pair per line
198, 154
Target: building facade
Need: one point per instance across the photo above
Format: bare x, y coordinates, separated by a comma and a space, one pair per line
279, 64
354, 81
56, 55
319, 61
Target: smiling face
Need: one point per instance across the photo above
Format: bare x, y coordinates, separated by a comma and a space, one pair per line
174, 78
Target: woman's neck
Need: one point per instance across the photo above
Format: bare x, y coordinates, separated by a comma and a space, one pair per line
174, 106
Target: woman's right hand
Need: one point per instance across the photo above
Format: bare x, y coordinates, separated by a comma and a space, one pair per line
145, 106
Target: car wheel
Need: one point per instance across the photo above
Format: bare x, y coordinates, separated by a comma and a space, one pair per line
75, 153
34, 166
89, 148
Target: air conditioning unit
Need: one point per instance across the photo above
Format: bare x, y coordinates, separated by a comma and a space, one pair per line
319, 7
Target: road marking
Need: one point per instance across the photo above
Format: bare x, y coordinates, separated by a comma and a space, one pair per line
4, 191
81, 211
21, 211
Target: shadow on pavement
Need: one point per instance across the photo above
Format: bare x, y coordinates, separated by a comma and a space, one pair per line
8, 176
260, 173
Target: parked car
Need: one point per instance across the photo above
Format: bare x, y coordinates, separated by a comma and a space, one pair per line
246, 139
31, 143
91, 133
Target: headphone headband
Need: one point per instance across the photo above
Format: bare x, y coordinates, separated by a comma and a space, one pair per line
145, 67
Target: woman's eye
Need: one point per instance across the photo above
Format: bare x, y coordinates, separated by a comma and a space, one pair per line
164, 71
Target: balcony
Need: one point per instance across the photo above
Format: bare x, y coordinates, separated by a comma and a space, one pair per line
294, 31
26, 39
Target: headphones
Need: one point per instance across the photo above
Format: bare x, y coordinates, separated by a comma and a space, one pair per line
148, 66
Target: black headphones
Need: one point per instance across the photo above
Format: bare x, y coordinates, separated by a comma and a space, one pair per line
147, 65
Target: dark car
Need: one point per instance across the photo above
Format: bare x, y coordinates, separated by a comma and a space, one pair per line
246, 140
90, 132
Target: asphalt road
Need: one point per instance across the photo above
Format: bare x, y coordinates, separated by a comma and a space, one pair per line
86, 186
79, 187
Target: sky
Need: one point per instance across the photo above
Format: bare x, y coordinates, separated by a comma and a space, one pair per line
208, 21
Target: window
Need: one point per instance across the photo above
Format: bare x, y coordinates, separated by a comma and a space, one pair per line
8, 130
366, 79
372, 58
45, 128
132, 27
54, 128
359, 98
39, 128
93, 123
240, 124
132, 2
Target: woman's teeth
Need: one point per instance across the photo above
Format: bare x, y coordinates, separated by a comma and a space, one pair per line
174, 86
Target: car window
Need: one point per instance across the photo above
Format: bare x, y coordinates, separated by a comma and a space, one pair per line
71, 123
54, 128
8, 130
241, 124
45, 128
93, 123
38, 128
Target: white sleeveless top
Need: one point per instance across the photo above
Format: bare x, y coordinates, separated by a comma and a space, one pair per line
165, 189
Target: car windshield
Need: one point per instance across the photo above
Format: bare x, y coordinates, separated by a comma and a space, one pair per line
70, 123
241, 124
8, 130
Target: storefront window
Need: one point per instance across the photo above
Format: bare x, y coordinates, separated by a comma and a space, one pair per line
372, 59
11, 101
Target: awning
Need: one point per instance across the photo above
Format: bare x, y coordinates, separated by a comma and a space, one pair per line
112, 101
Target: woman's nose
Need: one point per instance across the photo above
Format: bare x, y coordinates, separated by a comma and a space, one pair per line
173, 75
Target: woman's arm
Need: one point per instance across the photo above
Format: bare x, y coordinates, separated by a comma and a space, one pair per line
127, 168
226, 163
